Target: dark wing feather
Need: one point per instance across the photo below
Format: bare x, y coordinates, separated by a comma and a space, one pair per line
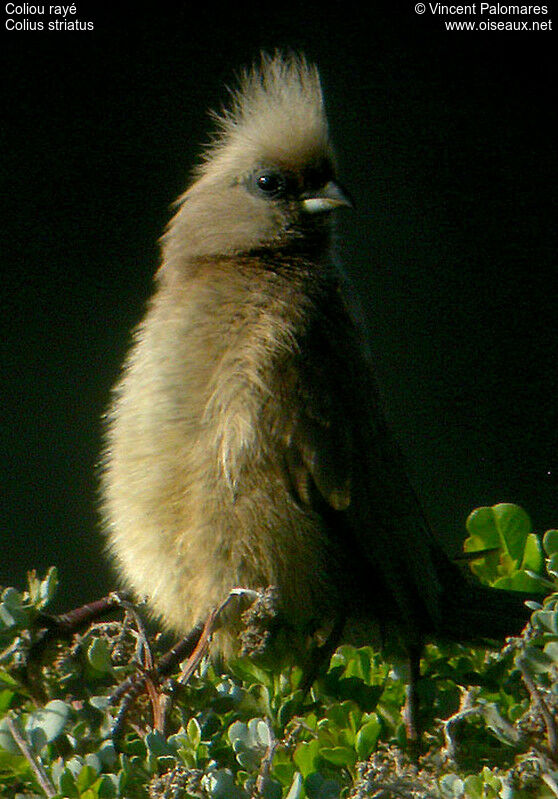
316, 461
343, 463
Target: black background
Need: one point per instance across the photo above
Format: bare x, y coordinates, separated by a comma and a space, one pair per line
446, 142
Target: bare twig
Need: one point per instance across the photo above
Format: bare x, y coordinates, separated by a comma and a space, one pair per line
449, 726
537, 698
78, 618
143, 653
35, 763
265, 768
65, 625
551, 782
491, 716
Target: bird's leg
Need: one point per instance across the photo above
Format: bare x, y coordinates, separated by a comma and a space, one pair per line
128, 691
201, 648
412, 704
192, 647
147, 679
133, 686
65, 625
144, 656
208, 628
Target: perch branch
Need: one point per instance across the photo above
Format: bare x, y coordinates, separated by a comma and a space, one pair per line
35, 763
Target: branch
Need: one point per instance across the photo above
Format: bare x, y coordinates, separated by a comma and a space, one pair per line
551, 782
35, 763
538, 700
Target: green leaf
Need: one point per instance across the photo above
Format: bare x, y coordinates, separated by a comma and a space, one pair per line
493, 718
108, 786
367, 738
514, 525
550, 542
492, 781
67, 783
47, 723
318, 787
481, 525
14, 612
249, 741
100, 703
343, 715
6, 739
533, 555
6, 680
451, 785
86, 778
271, 789
260, 732
551, 650
538, 661
98, 656
48, 586
295, 791
366, 696
221, 785
94, 761
6, 697
238, 731
473, 786
546, 619
283, 767
505, 527
12, 598
157, 745
251, 673
306, 756
552, 564
193, 732
290, 707
339, 756
519, 581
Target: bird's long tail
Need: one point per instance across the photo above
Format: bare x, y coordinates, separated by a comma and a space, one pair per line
475, 612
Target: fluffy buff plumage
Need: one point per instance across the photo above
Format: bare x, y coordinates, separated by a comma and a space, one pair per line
276, 114
245, 445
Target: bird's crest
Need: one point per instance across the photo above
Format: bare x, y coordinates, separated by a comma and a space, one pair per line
275, 114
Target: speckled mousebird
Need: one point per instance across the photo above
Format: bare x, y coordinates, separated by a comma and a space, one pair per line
245, 445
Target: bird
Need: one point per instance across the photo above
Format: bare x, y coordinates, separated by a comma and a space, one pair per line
245, 443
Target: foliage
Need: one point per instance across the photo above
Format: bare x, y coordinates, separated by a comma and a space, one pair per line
489, 717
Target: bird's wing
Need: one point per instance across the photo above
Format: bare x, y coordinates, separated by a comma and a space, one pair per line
343, 463
319, 463
333, 411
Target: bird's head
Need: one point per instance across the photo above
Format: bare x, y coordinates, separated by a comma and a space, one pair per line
267, 180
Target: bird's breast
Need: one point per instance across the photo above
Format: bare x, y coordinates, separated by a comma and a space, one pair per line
196, 494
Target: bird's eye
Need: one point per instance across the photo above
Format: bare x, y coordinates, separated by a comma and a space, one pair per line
271, 184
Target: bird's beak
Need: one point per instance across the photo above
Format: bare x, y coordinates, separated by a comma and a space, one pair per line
327, 198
